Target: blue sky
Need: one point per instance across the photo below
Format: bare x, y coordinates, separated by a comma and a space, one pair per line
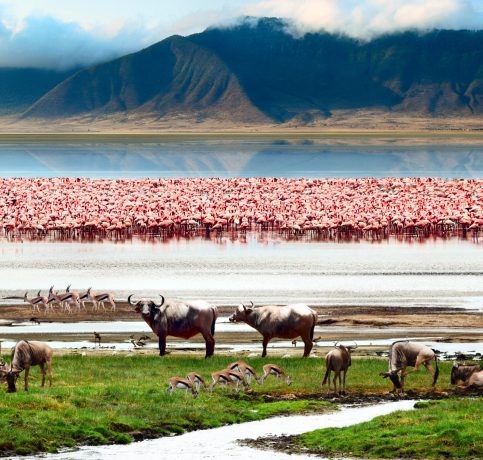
66, 33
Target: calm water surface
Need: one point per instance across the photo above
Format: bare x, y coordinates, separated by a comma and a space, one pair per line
258, 268
228, 158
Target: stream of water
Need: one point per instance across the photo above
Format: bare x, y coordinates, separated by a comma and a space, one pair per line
222, 443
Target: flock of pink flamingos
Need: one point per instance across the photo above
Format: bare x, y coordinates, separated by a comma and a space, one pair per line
331, 208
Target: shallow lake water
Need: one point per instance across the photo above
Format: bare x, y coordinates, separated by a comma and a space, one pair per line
222, 443
433, 273
248, 157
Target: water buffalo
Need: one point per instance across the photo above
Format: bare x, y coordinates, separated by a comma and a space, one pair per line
179, 319
285, 322
471, 376
404, 354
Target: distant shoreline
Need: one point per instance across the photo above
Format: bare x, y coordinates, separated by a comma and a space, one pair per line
346, 136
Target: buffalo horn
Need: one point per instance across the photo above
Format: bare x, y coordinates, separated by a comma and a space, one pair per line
129, 300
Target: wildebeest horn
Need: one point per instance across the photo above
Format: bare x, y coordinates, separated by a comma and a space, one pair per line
252, 303
67, 288
162, 300
128, 299
335, 344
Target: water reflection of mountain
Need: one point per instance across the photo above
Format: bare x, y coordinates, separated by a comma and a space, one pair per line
239, 158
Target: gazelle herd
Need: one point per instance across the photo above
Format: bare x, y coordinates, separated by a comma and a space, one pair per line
68, 301
236, 374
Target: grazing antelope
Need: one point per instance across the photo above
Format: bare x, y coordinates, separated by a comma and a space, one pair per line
404, 354
338, 361
99, 299
229, 377
247, 370
97, 338
197, 380
277, 371
181, 384
471, 376
79, 298
26, 354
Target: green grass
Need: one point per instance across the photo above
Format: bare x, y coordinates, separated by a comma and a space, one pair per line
451, 428
118, 399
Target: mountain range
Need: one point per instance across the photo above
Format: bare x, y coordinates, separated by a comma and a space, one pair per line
258, 72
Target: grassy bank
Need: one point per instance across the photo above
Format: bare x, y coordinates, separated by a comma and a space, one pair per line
451, 428
118, 399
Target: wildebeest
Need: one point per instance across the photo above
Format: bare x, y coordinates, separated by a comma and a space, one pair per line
26, 354
285, 322
338, 361
179, 319
404, 354
471, 376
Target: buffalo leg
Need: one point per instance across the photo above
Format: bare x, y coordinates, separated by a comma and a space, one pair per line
210, 344
162, 346
308, 346
265, 343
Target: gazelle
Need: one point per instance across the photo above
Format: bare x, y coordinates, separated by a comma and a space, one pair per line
247, 370
277, 371
35, 302
99, 299
197, 380
181, 384
79, 298
228, 377
64, 300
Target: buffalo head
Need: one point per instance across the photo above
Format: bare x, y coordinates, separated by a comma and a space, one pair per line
146, 307
241, 313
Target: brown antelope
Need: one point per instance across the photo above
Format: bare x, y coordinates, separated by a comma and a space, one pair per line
63, 300
404, 354
26, 354
197, 380
277, 371
181, 384
36, 301
228, 377
338, 361
247, 370
99, 299
79, 298
471, 376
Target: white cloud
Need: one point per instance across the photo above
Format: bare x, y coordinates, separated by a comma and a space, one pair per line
36, 40
368, 18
